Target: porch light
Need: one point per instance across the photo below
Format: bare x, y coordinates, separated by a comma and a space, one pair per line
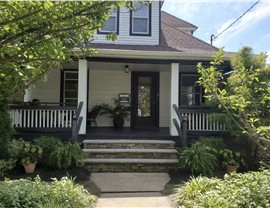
127, 70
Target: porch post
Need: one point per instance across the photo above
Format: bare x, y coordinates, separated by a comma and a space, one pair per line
82, 92
174, 95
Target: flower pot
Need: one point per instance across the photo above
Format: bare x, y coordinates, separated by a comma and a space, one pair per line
231, 168
30, 168
118, 122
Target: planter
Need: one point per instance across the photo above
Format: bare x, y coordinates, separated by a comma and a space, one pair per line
30, 168
118, 122
231, 168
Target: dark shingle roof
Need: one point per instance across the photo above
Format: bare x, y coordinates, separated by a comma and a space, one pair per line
176, 22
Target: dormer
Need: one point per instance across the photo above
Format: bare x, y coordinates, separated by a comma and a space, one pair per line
139, 27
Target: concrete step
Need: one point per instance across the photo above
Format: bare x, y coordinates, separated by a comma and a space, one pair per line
128, 144
132, 153
129, 165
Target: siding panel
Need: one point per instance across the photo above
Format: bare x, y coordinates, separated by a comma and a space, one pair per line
124, 28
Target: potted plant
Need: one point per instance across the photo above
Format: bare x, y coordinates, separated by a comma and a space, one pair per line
118, 112
231, 160
29, 155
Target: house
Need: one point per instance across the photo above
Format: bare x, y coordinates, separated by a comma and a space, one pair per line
153, 61
151, 65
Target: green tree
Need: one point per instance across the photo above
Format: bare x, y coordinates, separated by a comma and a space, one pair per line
35, 36
244, 95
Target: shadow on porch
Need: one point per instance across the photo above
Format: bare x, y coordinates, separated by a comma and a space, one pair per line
94, 133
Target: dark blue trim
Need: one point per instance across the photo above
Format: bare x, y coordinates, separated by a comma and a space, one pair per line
117, 26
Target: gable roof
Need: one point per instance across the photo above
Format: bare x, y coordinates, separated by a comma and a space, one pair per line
172, 39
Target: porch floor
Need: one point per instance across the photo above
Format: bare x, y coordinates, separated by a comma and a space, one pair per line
161, 133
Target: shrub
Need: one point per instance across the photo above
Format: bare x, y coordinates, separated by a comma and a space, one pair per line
66, 155
49, 145
32, 194
6, 129
251, 189
228, 157
6, 165
214, 142
199, 159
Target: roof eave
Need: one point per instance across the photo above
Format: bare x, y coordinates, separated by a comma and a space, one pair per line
160, 55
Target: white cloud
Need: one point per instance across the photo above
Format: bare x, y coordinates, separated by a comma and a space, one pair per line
260, 12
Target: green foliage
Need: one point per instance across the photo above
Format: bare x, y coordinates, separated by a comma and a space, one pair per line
243, 95
24, 151
228, 157
37, 35
6, 130
66, 155
49, 145
214, 142
32, 194
199, 159
251, 189
30, 153
6, 165
119, 110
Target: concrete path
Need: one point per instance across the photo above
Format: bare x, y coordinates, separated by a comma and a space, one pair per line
130, 182
132, 190
138, 200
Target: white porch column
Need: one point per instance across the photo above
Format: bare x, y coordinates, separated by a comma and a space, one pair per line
82, 92
174, 96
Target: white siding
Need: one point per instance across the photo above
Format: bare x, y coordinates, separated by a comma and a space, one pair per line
46, 91
105, 85
164, 99
124, 29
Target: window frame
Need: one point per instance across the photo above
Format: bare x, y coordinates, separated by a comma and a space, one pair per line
149, 22
64, 98
201, 94
100, 31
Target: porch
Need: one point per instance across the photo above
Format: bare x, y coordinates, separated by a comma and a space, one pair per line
61, 120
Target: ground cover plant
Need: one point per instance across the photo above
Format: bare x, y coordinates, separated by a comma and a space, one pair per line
36, 193
236, 190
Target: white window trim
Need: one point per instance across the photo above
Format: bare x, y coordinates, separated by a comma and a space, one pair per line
141, 17
64, 87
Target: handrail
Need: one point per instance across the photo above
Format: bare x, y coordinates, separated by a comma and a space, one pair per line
182, 127
77, 122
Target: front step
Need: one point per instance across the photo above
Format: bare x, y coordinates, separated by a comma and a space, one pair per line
130, 155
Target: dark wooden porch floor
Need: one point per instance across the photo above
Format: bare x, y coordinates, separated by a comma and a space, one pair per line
106, 133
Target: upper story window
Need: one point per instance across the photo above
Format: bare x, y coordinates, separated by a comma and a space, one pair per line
140, 23
191, 91
112, 24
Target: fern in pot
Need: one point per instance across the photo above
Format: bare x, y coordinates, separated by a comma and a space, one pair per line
118, 112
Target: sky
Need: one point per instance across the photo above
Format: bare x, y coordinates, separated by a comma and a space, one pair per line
212, 17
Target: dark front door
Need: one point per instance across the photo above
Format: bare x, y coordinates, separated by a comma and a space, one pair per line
145, 99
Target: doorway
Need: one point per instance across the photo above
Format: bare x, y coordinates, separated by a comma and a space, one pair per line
144, 99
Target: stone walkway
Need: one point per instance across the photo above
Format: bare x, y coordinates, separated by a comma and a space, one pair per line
132, 190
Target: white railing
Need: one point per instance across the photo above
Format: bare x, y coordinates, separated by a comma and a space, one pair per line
27, 116
201, 120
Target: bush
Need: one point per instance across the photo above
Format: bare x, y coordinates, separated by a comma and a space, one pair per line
199, 159
6, 165
32, 194
49, 145
251, 189
214, 142
66, 155
6, 130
